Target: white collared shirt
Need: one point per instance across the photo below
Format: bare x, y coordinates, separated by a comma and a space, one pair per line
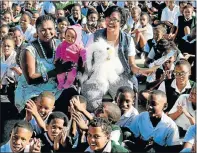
127, 118
182, 120
190, 136
165, 133
171, 16
173, 85
107, 148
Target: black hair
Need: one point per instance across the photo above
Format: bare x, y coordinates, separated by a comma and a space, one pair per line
103, 123
76, 4
182, 2
5, 26
146, 14
24, 124
47, 94
183, 62
82, 99
44, 18
113, 111
121, 11
61, 19
58, 115
27, 12
163, 45
124, 89
158, 93
92, 11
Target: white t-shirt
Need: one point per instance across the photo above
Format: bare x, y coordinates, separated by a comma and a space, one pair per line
148, 33
131, 50
165, 133
127, 118
182, 120
171, 16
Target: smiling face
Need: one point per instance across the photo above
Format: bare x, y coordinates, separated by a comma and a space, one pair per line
70, 36
24, 21
125, 102
7, 17
8, 47
62, 25
96, 138
188, 13
183, 74
20, 138
60, 13
76, 12
18, 37
34, 18
93, 17
54, 128
44, 105
113, 22
156, 105
17, 10
46, 31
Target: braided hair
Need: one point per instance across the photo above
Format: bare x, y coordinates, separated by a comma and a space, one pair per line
44, 18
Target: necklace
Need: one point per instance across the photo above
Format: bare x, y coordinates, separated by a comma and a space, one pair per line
43, 52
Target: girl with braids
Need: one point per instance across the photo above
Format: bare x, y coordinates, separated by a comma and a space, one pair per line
37, 63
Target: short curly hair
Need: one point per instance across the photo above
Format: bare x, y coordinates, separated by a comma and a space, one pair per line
103, 123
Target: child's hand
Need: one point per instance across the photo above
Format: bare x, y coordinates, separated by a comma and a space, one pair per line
32, 108
77, 117
76, 103
35, 146
60, 139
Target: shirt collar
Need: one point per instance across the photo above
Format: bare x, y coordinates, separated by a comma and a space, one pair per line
48, 139
173, 85
128, 114
107, 148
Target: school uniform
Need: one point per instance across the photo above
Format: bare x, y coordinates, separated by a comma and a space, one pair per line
148, 33
47, 144
81, 21
190, 136
164, 134
7, 148
171, 16
111, 147
182, 121
170, 88
127, 118
29, 33
116, 134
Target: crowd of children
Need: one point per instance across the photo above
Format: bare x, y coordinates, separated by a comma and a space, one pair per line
164, 34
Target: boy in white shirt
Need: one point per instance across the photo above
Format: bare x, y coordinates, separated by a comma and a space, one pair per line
154, 129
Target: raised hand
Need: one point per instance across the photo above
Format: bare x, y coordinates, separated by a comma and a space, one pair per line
35, 146
31, 107
77, 117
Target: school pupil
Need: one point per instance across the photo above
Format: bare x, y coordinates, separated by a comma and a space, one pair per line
125, 101
149, 127
99, 132
111, 112
38, 111
55, 138
20, 139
